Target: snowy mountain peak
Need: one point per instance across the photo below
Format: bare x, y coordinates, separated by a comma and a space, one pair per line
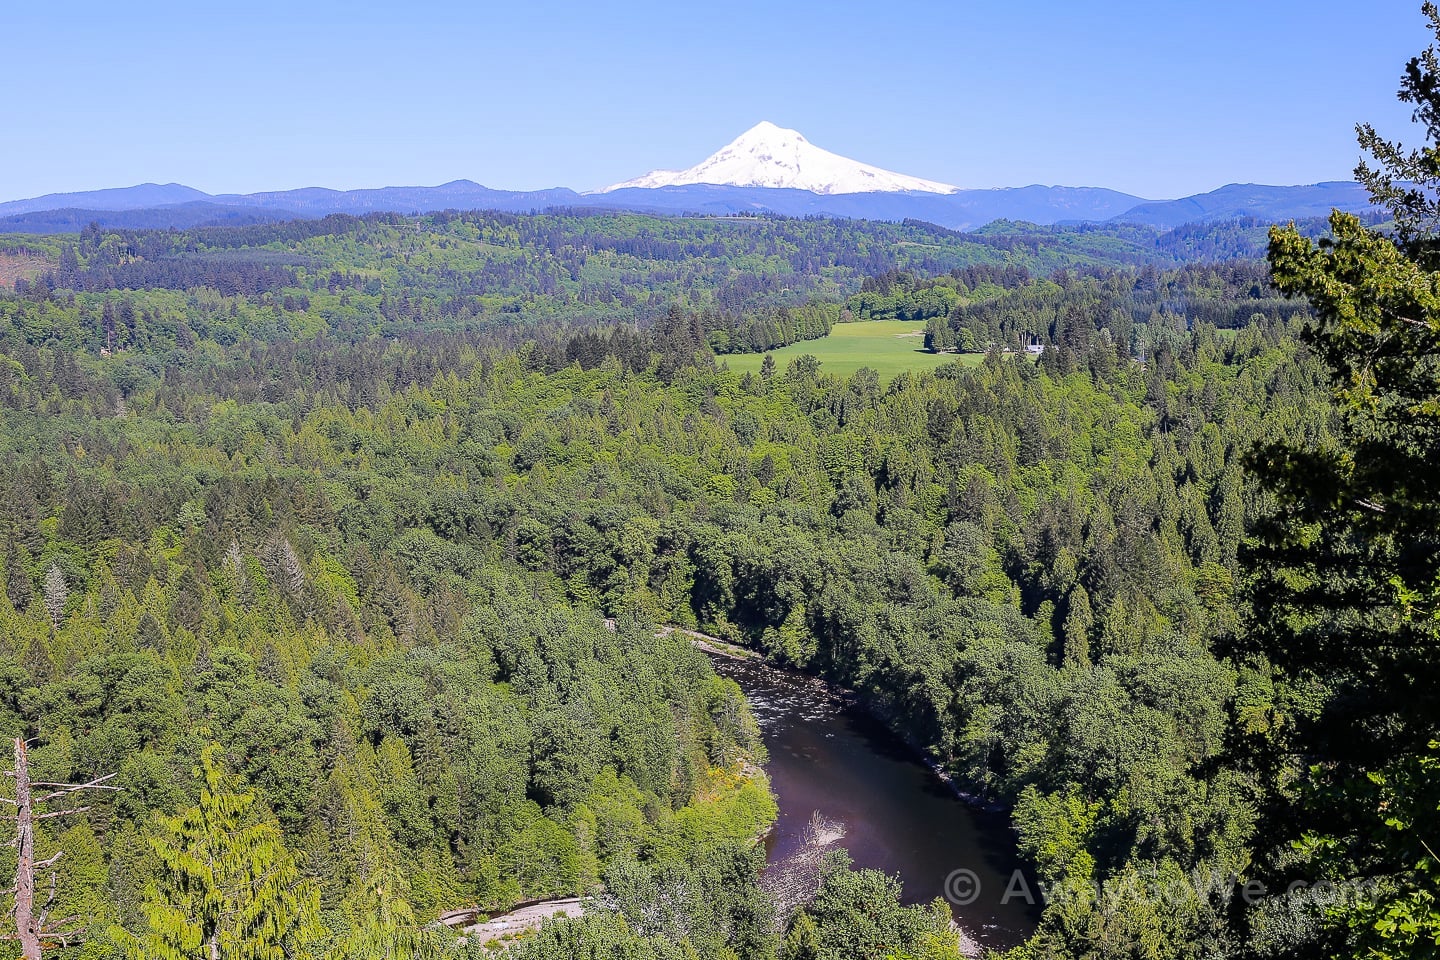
767, 155
765, 129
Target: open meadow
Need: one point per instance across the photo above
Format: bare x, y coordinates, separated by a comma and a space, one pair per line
886, 346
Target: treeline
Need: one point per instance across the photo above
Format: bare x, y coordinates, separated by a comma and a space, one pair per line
230, 277
769, 330
1065, 309
902, 295
766, 281
983, 307
452, 270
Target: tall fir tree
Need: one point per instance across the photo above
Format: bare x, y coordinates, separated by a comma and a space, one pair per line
227, 888
1347, 585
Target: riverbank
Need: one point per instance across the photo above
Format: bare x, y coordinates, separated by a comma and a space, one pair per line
885, 715
518, 920
879, 799
881, 712
712, 645
793, 882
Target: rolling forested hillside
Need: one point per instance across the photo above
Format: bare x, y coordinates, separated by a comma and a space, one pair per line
362, 275
340, 507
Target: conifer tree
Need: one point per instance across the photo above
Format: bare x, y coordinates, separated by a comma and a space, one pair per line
18, 587
385, 927
801, 942
1348, 566
227, 888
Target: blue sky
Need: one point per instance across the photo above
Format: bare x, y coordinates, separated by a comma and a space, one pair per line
1158, 99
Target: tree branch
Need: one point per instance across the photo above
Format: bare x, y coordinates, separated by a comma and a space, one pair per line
61, 813
97, 784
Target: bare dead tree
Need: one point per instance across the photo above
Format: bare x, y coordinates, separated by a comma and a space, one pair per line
234, 561
284, 566
57, 592
34, 929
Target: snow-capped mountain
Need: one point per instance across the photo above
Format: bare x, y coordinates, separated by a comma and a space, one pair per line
771, 156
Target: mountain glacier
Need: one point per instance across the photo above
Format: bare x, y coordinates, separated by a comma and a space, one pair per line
773, 157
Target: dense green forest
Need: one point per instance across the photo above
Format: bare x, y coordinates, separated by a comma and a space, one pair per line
344, 545
231, 546
759, 282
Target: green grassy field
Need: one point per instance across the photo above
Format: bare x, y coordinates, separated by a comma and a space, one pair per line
885, 346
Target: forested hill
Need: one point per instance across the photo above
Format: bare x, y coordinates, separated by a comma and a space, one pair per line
348, 499
753, 283
338, 508
177, 206
373, 574
458, 269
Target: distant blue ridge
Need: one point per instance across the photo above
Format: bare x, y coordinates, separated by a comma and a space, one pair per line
151, 205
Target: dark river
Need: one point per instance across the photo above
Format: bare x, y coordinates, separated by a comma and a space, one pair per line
831, 757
